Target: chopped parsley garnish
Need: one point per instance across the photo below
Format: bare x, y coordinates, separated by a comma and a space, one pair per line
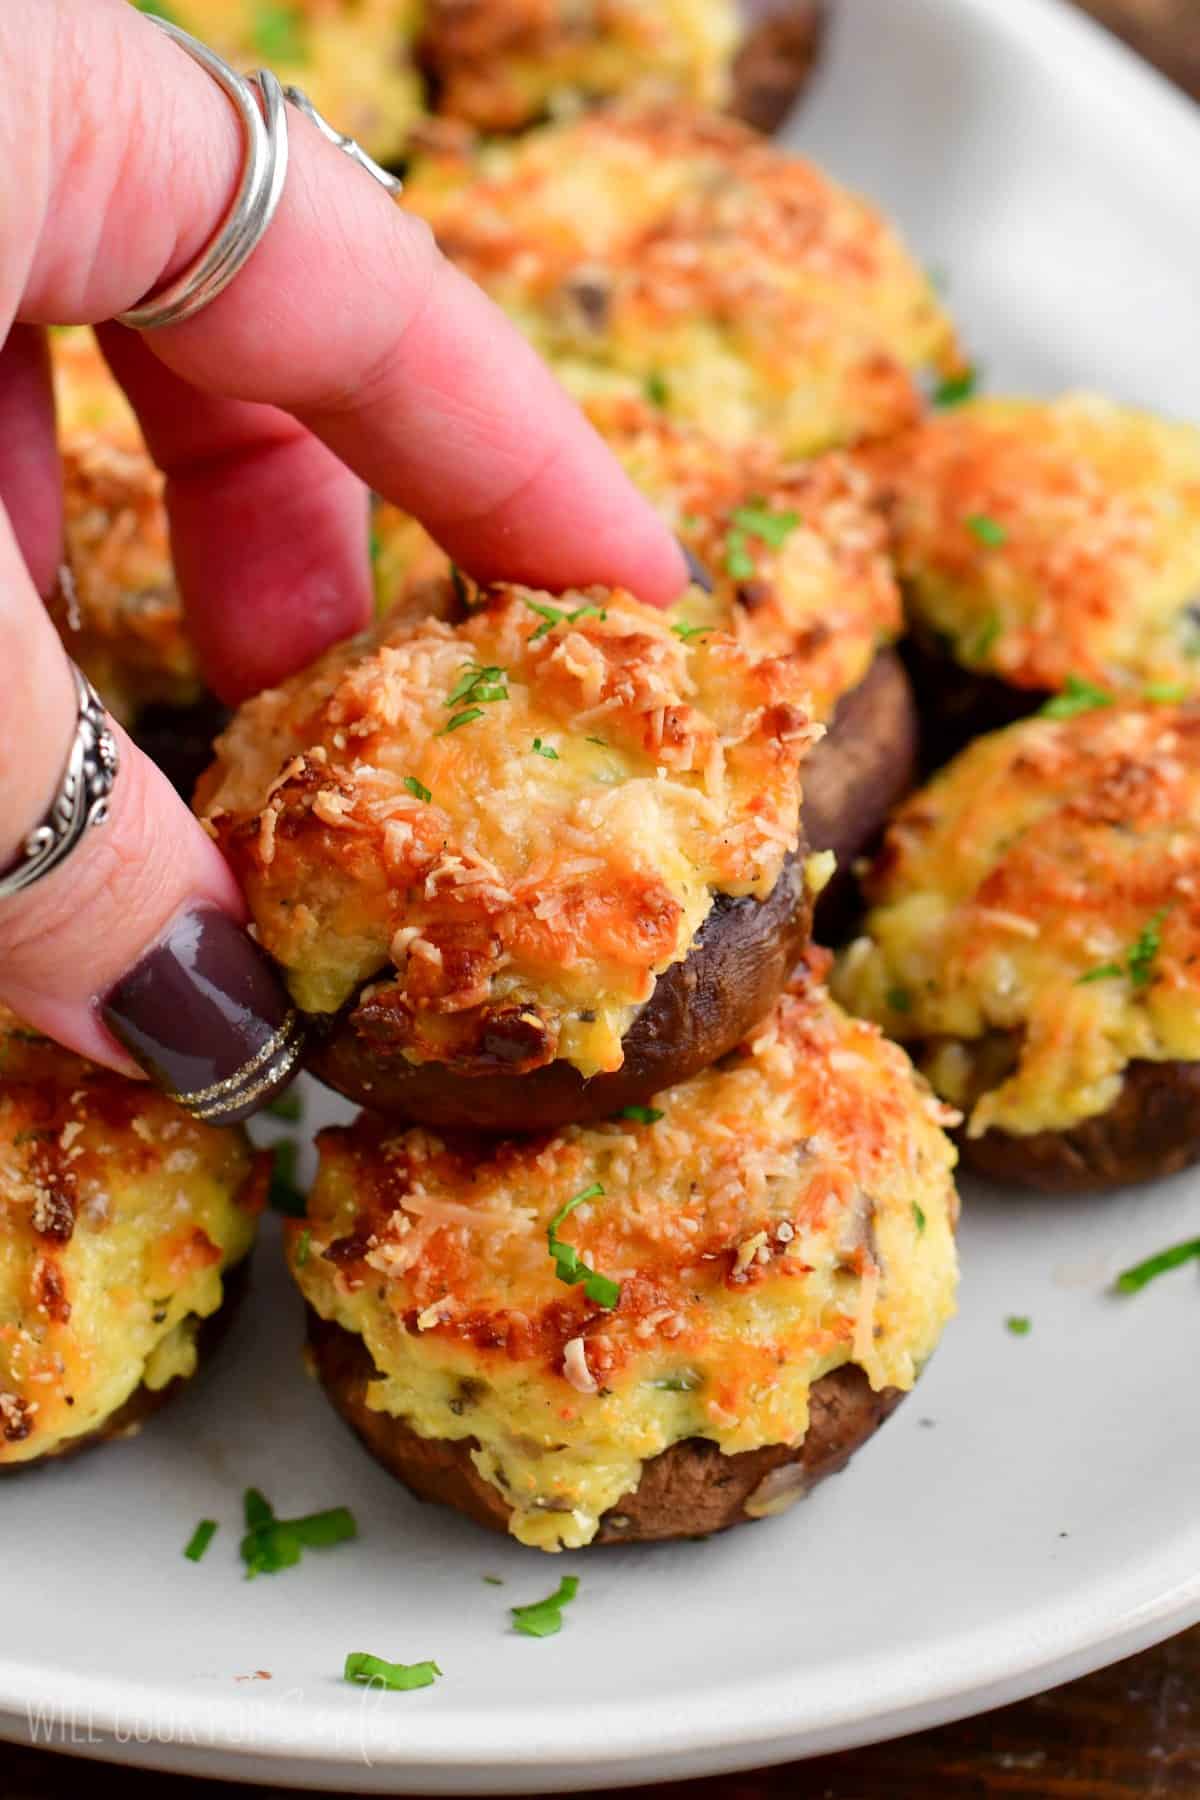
200, 1539
543, 1618
494, 1580
284, 1195
686, 1383
1144, 953
1139, 964
657, 391
398, 1678
1078, 696
1132, 1281
288, 1106
303, 1247
1165, 693
278, 32
479, 686
1018, 1325
272, 1544
956, 388
602, 742
688, 632
554, 615
417, 789
569, 1266
899, 999
157, 10
546, 750
919, 1219
985, 639
641, 1115
987, 530
755, 520
459, 720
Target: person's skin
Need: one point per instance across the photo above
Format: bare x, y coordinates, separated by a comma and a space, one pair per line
345, 352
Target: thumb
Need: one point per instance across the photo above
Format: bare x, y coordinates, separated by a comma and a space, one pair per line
132, 950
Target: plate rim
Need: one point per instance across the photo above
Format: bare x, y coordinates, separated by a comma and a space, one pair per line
754, 1726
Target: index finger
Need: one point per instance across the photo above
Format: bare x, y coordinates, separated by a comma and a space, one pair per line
346, 315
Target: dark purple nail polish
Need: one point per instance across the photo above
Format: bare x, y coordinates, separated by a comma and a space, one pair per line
697, 570
207, 1017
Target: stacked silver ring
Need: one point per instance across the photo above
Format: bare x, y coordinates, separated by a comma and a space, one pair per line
259, 102
82, 797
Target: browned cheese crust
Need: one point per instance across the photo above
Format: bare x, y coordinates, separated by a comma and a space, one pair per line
690, 1490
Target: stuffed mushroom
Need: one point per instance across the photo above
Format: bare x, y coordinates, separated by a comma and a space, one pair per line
654, 1327
663, 250
1044, 547
796, 556
1034, 935
124, 1225
527, 867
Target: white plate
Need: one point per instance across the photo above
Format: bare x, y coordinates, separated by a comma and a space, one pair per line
1029, 1514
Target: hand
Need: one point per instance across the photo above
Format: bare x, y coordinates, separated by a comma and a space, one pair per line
347, 351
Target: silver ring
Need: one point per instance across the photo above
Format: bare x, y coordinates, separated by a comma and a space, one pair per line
82, 797
260, 105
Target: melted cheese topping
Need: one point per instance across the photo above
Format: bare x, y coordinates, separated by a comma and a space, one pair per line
353, 58
1036, 916
822, 589
790, 1212
647, 246
117, 609
1092, 565
118, 1217
522, 819
502, 64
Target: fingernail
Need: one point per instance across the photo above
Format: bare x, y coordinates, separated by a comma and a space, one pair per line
207, 1017
696, 569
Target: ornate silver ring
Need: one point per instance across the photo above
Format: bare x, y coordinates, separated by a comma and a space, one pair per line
259, 102
82, 797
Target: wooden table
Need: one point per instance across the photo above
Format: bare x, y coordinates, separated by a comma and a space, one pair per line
1129, 1733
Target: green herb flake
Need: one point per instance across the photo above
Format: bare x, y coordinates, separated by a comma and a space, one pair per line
459, 720
986, 638
278, 33
543, 1618
686, 1383
956, 388
919, 1219
602, 742
417, 789
554, 615
758, 521
374, 545
303, 1247
1018, 1325
1144, 954
494, 1580
479, 684
157, 10
1132, 1281
271, 1544
288, 1106
987, 530
200, 1539
283, 1194
1165, 693
1078, 696
1104, 972
569, 1266
657, 391
899, 999
546, 750
398, 1678
641, 1115
688, 632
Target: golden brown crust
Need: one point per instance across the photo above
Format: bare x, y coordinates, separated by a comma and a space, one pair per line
145, 1402
780, 50
1152, 1130
690, 1490
700, 1008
